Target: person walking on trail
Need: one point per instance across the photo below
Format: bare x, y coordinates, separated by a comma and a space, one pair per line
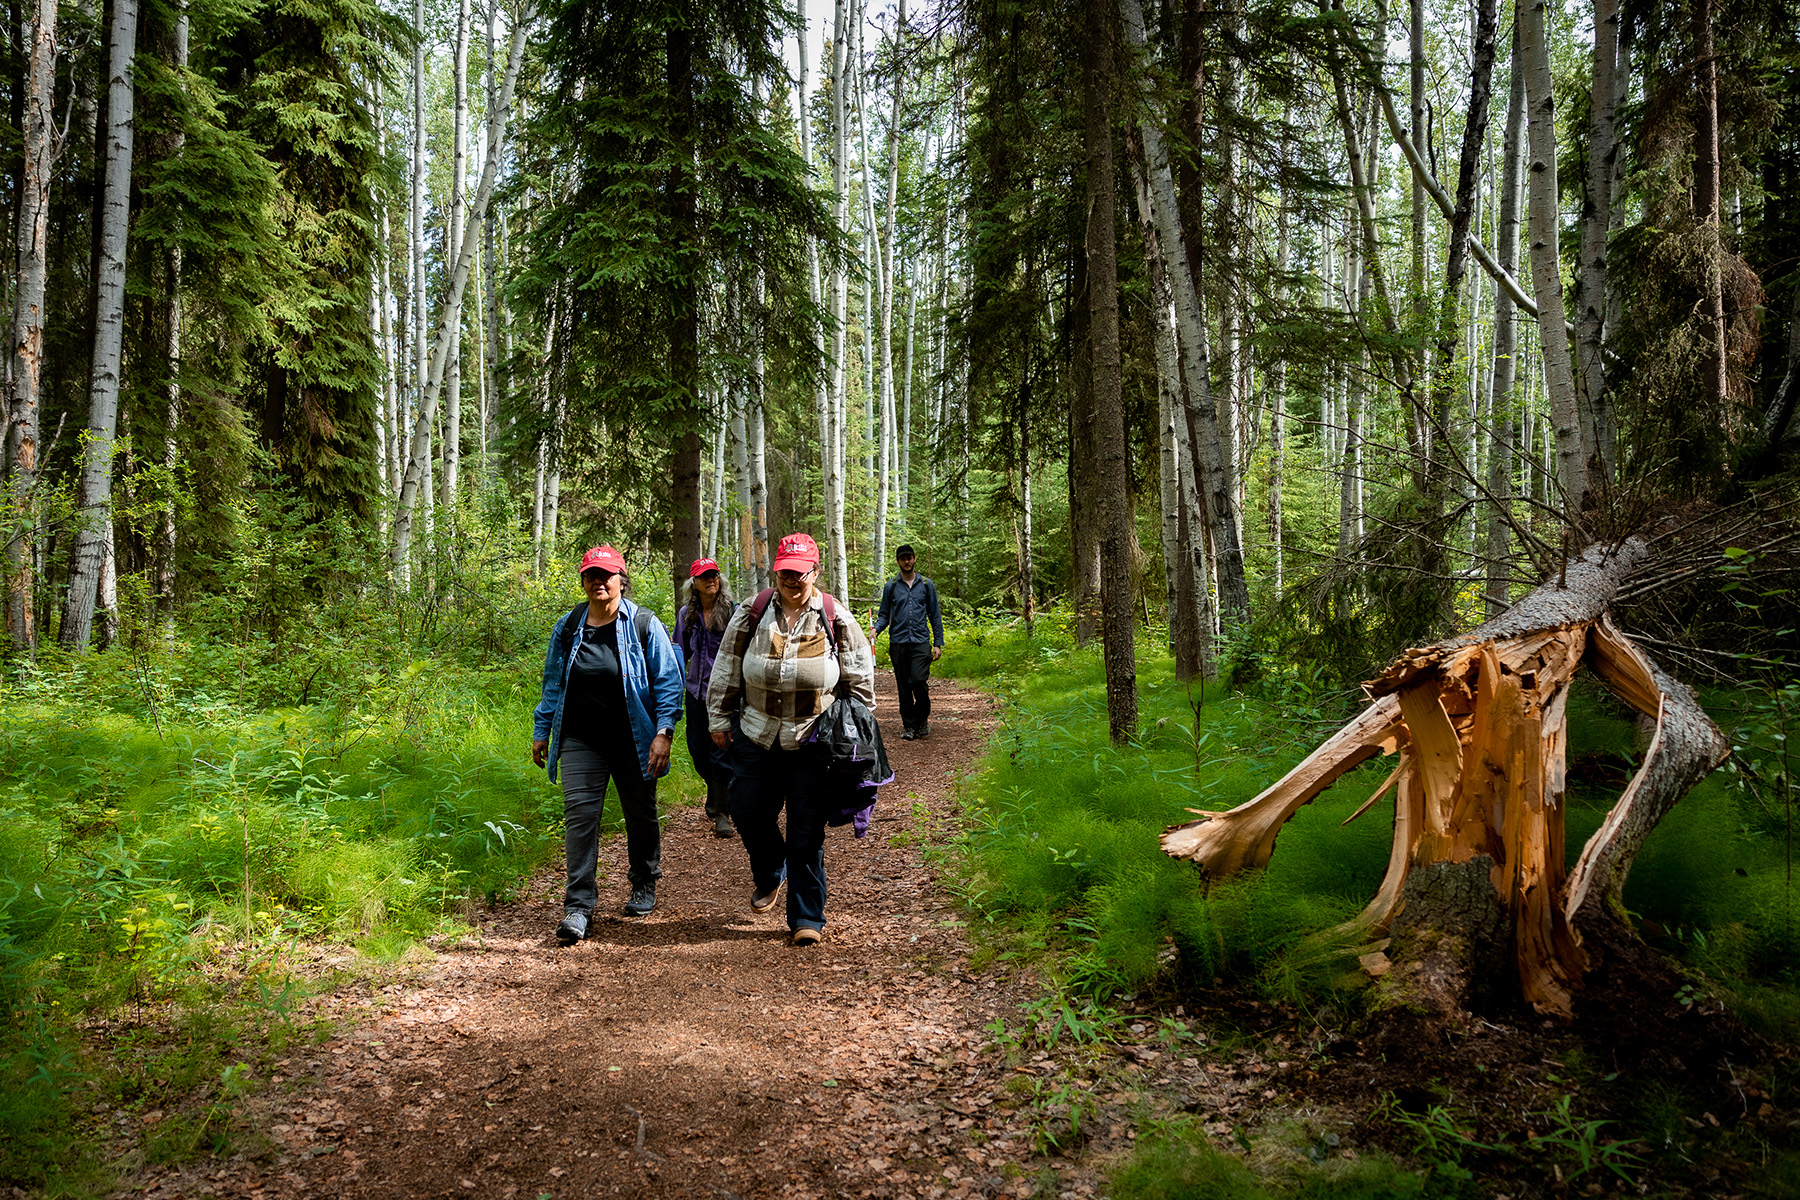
909, 612
699, 627
612, 695
784, 657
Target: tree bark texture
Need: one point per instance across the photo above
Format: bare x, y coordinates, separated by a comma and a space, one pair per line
1501, 450
1546, 269
1208, 426
27, 334
1596, 223
1707, 205
684, 298
94, 495
1479, 723
1113, 505
432, 379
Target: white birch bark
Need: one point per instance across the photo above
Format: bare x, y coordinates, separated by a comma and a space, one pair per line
1209, 429
887, 452
94, 494
447, 331
1546, 271
904, 444
459, 168
840, 181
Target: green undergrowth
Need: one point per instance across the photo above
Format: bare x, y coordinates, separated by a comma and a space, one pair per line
1060, 847
177, 819
1058, 861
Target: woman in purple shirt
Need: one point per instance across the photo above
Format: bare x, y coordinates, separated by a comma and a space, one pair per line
698, 629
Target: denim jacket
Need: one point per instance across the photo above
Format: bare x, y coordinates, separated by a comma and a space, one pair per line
656, 681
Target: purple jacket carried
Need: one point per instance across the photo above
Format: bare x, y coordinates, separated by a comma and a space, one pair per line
699, 646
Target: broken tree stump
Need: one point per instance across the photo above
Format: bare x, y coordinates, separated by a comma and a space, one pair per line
1479, 725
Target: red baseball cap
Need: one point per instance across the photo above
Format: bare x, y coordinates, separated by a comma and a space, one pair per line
605, 558
796, 552
702, 566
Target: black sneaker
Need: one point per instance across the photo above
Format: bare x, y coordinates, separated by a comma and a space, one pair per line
573, 928
643, 900
722, 827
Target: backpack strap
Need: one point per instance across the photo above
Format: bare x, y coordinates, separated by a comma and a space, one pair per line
641, 623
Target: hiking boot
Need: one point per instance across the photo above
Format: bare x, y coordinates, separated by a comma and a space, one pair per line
573, 928
762, 902
906, 735
722, 826
807, 936
643, 900
923, 731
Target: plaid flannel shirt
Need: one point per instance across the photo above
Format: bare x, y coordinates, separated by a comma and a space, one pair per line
785, 681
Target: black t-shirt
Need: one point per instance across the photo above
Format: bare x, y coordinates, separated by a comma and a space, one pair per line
594, 707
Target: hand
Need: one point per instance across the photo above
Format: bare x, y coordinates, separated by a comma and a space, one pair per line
937, 652
722, 739
659, 754
540, 753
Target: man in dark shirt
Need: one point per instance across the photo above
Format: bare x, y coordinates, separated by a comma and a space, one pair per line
909, 612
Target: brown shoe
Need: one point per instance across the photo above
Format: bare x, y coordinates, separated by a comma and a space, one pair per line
806, 935
762, 902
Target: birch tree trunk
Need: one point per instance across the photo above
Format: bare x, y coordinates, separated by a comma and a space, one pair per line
490, 309
840, 186
38, 156
887, 449
1118, 620
1546, 274
459, 168
1278, 370
418, 463
94, 493
1596, 224
904, 446
1501, 452
740, 459
164, 586
1208, 429
824, 391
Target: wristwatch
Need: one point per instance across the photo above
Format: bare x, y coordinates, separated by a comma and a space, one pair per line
667, 732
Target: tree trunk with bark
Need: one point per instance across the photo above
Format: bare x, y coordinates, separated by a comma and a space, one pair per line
1546, 268
1706, 204
1113, 505
1475, 888
417, 481
1501, 451
94, 494
1208, 425
1596, 224
27, 335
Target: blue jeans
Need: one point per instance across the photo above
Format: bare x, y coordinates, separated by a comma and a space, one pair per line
767, 780
585, 771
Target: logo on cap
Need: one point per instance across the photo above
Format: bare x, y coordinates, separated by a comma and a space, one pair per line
603, 558
796, 552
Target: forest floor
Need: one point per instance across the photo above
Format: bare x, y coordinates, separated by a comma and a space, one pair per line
690, 1053
694, 1053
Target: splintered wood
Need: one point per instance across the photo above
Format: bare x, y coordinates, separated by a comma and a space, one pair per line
1480, 728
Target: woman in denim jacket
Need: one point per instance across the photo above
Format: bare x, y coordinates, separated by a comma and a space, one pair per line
612, 695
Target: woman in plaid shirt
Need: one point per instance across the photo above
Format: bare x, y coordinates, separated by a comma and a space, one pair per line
780, 665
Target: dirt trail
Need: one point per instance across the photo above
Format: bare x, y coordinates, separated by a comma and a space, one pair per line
692, 1053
